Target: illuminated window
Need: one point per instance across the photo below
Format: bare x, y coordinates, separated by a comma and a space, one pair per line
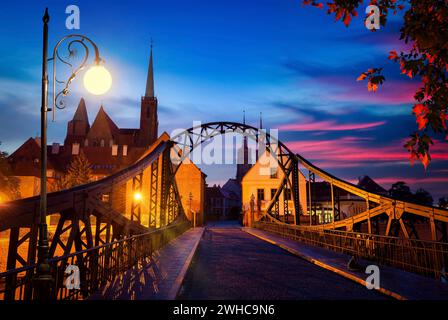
125, 150
75, 149
105, 198
115, 150
102, 143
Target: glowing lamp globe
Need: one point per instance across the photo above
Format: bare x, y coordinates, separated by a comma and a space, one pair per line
137, 196
97, 80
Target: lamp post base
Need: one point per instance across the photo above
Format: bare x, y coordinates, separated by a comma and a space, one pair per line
43, 281
43, 284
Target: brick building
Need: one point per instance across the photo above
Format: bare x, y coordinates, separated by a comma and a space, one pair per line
107, 147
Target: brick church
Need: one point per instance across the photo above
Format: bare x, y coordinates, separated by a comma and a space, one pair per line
107, 147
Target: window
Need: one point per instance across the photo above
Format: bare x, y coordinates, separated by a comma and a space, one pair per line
273, 192
287, 194
260, 194
75, 149
102, 142
86, 143
273, 173
125, 150
50, 173
111, 143
115, 150
105, 198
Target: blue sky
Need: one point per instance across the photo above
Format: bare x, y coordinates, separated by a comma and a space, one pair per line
215, 58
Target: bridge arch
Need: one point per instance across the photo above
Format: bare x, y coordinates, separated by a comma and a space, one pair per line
400, 216
186, 141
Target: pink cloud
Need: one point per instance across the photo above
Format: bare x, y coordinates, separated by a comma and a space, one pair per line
347, 89
391, 92
341, 152
412, 181
329, 125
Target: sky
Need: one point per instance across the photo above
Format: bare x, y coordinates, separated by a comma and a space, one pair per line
212, 60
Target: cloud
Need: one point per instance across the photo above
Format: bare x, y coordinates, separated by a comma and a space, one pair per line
330, 125
357, 151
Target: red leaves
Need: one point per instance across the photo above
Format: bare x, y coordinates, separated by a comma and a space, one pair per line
421, 111
374, 78
393, 55
372, 86
313, 3
425, 57
361, 77
430, 58
426, 160
347, 19
418, 147
444, 119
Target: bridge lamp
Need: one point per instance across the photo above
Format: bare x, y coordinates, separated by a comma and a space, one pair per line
97, 80
138, 196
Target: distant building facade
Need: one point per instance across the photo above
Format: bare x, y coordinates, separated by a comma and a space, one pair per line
192, 190
262, 188
349, 204
221, 203
108, 149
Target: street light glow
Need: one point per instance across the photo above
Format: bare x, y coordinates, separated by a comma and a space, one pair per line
137, 196
97, 80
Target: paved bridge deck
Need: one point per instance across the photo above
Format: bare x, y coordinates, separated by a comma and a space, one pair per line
394, 282
158, 279
225, 261
231, 264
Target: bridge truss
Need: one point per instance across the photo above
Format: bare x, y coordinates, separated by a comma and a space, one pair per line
101, 216
103, 229
383, 215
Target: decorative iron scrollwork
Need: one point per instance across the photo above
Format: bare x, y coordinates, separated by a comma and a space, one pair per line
75, 40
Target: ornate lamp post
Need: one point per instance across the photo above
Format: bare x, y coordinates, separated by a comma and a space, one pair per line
97, 81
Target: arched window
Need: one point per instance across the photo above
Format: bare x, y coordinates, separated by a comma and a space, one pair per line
86, 143
102, 143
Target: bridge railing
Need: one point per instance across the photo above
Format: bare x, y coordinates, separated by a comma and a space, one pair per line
97, 265
429, 258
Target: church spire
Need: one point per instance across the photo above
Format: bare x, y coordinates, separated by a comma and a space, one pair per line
261, 120
81, 112
150, 80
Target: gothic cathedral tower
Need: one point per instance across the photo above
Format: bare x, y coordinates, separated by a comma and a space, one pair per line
149, 122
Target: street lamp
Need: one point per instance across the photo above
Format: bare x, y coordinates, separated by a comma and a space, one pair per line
138, 196
98, 81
